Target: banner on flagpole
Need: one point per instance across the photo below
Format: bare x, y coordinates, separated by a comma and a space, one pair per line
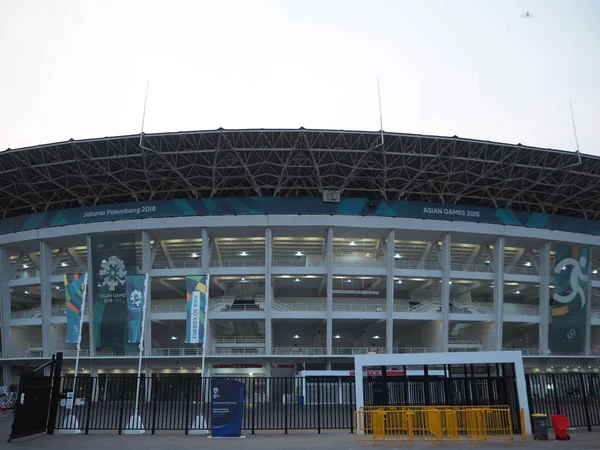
74, 289
195, 308
135, 289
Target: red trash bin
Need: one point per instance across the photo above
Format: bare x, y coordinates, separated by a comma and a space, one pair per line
560, 423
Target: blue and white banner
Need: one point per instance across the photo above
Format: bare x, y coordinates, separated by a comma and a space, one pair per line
195, 308
135, 287
75, 289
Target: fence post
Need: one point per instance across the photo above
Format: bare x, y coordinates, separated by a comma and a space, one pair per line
555, 391
284, 401
319, 389
584, 395
122, 409
89, 406
253, 400
54, 393
154, 387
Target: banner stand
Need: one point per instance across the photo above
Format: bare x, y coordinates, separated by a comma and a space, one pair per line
71, 423
135, 424
199, 427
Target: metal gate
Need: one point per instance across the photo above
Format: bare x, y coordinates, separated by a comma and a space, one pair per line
34, 402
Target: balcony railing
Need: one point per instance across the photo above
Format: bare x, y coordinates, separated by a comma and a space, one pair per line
23, 274
353, 307
237, 351
526, 351
298, 262
401, 350
416, 265
242, 262
349, 351
279, 306
302, 351
240, 340
177, 352
471, 267
362, 262
523, 311
60, 270
168, 308
521, 270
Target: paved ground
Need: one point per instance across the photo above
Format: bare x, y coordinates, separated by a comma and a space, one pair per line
580, 440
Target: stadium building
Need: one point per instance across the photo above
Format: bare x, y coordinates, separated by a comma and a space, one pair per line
319, 245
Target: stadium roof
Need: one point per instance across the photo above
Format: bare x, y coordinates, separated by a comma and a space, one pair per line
261, 162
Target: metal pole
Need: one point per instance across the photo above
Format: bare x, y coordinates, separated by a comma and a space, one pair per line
141, 347
85, 280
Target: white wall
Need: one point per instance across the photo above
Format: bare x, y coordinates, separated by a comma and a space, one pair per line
58, 337
424, 334
21, 337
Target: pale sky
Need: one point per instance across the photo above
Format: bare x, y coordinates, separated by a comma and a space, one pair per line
78, 68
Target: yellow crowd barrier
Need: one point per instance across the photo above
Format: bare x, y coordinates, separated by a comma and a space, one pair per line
437, 424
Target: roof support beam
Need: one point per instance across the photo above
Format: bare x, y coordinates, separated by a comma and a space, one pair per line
165, 249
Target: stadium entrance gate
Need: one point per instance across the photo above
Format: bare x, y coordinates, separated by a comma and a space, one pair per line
37, 400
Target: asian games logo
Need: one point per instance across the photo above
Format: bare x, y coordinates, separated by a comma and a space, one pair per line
113, 273
577, 275
136, 298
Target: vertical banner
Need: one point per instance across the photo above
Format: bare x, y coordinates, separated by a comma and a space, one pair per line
135, 288
570, 298
195, 308
113, 258
74, 291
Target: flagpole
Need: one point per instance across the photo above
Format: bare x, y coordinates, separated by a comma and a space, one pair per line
205, 338
85, 280
141, 347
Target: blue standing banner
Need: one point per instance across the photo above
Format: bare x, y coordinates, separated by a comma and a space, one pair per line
135, 289
227, 407
75, 288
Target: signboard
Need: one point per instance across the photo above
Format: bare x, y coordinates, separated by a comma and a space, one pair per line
295, 205
227, 407
570, 299
113, 258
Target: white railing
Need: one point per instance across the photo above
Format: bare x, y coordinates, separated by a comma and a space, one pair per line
34, 313
525, 351
416, 265
73, 353
235, 351
524, 311
459, 340
456, 267
167, 308
423, 307
416, 350
278, 306
240, 340
179, 265
298, 263
349, 351
522, 270
27, 354
222, 307
469, 306
242, 262
23, 274
366, 262
118, 354
177, 352
303, 351
353, 307
595, 312
60, 270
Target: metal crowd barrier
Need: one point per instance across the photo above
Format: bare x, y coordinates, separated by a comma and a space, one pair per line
438, 424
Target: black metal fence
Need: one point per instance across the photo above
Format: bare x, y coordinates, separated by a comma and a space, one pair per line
313, 403
183, 403
575, 394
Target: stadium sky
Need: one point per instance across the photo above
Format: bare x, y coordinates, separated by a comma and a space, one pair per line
78, 69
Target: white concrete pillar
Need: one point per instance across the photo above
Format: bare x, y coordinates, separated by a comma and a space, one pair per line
268, 290
544, 297
90, 296
445, 291
498, 292
46, 295
329, 262
389, 292
206, 251
6, 274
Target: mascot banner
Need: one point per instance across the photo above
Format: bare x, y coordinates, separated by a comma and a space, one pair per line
570, 299
113, 258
